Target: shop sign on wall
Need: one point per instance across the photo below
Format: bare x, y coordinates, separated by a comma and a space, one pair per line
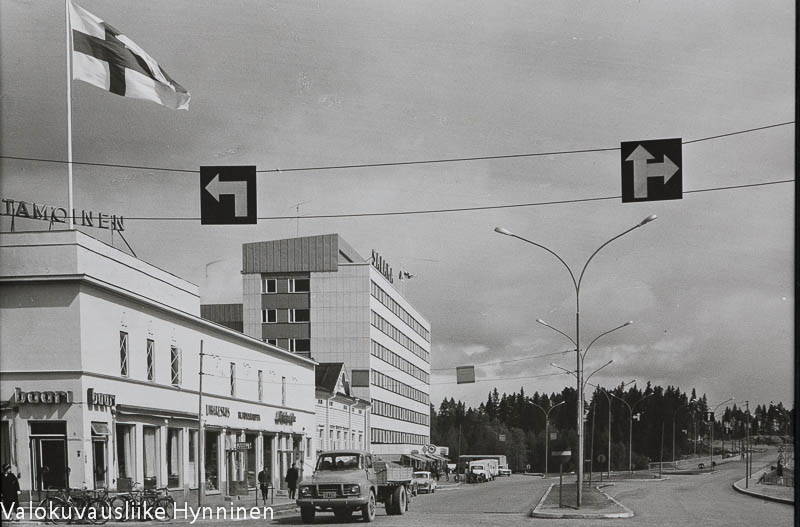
100, 399
248, 416
221, 411
284, 418
51, 214
46, 397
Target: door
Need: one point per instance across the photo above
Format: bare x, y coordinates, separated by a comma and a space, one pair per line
49, 456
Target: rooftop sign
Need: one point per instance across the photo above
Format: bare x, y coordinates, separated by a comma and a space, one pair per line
83, 218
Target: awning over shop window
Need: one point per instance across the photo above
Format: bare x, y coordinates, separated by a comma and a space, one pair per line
417, 457
100, 429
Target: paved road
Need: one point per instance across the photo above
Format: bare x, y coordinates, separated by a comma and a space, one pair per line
706, 500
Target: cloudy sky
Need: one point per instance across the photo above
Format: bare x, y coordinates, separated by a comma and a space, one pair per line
319, 83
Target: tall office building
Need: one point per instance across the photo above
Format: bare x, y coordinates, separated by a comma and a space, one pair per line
316, 296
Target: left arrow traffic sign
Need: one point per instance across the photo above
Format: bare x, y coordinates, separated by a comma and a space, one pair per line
228, 195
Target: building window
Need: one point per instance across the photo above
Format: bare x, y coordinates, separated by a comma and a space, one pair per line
174, 444
151, 367
299, 315
299, 285
260, 386
175, 365
125, 451
300, 345
283, 391
359, 378
233, 379
211, 459
123, 353
269, 285
269, 316
273, 342
150, 451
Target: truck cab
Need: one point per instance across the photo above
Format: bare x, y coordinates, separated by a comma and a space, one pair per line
348, 480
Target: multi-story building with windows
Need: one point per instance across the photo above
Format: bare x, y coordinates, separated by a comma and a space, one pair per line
100, 371
316, 296
342, 419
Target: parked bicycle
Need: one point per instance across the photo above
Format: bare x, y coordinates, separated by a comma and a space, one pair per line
139, 504
76, 506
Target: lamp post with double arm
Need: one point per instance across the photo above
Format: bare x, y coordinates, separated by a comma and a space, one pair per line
630, 425
576, 282
546, 428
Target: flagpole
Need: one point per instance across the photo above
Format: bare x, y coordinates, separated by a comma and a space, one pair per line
69, 114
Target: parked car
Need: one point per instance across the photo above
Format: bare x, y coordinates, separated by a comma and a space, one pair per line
504, 472
424, 482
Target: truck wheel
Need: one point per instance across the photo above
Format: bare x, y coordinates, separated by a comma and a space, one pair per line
368, 510
307, 514
389, 505
399, 500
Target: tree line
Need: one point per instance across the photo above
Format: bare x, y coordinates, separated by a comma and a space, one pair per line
514, 425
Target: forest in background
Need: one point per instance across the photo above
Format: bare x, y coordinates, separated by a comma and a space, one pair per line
511, 424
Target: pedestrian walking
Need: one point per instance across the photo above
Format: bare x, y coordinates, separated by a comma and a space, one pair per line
263, 482
292, 475
9, 492
779, 472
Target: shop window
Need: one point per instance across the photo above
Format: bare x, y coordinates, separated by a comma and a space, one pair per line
174, 443
5, 442
191, 469
151, 359
151, 464
269, 285
233, 379
125, 452
299, 315
211, 460
100, 434
269, 316
299, 285
123, 353
251, 460
175, 365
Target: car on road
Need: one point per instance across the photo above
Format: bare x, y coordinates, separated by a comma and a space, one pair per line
424, 482
504, 472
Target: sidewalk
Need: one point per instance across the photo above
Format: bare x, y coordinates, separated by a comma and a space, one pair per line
776, 493
596, 504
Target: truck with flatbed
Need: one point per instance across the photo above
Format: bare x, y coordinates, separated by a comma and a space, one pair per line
346, 481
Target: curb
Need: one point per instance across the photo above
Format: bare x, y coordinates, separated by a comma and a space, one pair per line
736, 486
537, 513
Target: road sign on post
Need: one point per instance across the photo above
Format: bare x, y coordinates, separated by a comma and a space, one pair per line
652, 170
228, 195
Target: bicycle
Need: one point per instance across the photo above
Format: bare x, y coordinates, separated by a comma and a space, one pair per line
143, 504
72, 505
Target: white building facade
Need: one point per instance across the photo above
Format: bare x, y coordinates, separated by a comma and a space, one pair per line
100, 376
318, 297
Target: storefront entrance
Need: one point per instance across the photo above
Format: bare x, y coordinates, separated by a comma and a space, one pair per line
49, 455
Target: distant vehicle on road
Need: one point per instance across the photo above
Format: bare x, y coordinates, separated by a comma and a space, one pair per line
424, 482
501, 460
504, 472
481, 470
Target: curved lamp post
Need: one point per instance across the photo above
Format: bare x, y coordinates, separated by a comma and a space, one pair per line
674, 415
546, 428
579, 354
713, 420
630, 425
608, 399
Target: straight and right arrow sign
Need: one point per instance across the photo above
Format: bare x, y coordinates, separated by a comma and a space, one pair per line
651, 170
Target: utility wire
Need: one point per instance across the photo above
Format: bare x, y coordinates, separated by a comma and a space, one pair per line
509, 361
444, 211
392, 163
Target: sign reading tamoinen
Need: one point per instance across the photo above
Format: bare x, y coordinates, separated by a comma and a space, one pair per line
30, 210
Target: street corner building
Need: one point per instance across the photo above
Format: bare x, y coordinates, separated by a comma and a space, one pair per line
317, 297
100, 378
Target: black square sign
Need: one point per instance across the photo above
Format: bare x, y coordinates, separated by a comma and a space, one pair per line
228, 195
652, 170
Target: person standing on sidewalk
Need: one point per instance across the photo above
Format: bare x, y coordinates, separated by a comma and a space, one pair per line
292, 475
263, 482
9, 490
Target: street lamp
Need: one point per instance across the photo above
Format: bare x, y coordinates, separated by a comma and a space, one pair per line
579, 356
674, 415
546, 428
608, 399
713, 420
630, 425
